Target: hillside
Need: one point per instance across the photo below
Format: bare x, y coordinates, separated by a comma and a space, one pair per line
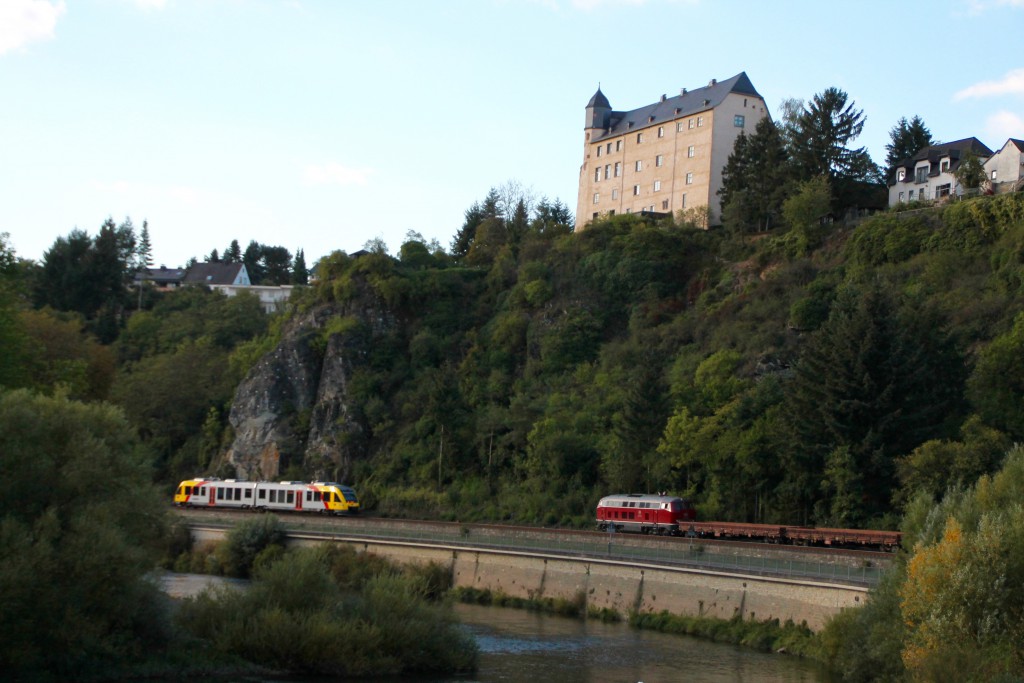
820, 377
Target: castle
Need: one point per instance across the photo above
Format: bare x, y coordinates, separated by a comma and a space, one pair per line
667, 156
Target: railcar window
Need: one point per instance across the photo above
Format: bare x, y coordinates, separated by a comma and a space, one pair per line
238, 494
263, 494
273, 496
248, 493
291, 497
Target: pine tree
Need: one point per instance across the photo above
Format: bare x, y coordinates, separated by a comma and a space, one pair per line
144, 251
300, 274
905, 140
756, 179
233, 254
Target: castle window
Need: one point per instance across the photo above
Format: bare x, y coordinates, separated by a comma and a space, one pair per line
618, 168
657, 186
639, 165
661, 131
689, 179
607, 171
615, 193
700, 121
636, 190
595, 215
659, 160
639, 138
664, 205
597, 197
609, 150
597, 174
679, 126
599, 150
612, 212
618, 145
689, 124
682, 201
691, 151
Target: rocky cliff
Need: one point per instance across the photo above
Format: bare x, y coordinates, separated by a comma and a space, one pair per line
292, 407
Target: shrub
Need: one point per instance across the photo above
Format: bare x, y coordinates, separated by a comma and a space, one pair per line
246, 541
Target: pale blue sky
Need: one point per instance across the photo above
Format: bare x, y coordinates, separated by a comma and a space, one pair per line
320, 124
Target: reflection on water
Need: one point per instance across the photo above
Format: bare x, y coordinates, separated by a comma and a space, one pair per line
517, 646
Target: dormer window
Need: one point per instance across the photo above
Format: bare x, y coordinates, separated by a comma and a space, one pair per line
944, 166
922, 174
901, 175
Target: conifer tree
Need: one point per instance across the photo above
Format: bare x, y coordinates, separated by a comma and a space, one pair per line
906, 139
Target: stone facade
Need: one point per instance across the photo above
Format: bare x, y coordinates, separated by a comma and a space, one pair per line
664, 157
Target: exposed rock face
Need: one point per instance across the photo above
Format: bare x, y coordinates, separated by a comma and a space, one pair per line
293, 404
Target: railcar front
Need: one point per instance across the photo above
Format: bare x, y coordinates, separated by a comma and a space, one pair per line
643, 513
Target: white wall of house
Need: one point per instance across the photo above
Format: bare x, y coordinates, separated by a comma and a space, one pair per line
273, 299
1004, 168
919, 186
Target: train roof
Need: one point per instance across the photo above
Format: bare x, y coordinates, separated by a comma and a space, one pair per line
648, 497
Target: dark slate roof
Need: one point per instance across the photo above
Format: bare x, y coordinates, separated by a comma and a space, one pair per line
212, 273
933, 155
1019, 144
599, 100
162, 275
685, 104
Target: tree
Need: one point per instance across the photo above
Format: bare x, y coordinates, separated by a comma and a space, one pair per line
805, 210
755, 179
300, 274
905, 140
475, 215
233, 254
76, 555
824, 130
551, 218
144, 251
873, 380
214, 257
277, 265
253, 261
996, 387
971, 172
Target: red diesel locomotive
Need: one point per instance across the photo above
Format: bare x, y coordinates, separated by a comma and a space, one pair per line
643, 513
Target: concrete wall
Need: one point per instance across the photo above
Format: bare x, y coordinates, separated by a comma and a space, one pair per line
624, 587
611, 584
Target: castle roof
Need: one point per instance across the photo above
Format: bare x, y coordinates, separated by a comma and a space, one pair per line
687, 103
599, 100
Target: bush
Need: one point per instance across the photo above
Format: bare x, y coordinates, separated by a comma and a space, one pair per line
246, 541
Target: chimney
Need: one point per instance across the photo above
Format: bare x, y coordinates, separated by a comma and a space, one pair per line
713, 82
682, 91
662, 97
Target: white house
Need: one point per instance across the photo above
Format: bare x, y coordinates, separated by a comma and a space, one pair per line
1005, 169
929, 173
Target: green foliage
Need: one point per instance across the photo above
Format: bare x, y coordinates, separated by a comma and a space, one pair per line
79, 526
296, 617
768, 635
246, 541
806, 210
996, 387
905, 140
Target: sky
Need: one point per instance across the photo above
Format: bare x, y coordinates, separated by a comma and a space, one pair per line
322, 124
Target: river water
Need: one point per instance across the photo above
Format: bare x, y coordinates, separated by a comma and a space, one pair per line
518, 646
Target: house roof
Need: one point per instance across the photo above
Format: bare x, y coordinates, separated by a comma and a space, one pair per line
161, 275
213, 273
687, 103
1019, 144
954, 151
